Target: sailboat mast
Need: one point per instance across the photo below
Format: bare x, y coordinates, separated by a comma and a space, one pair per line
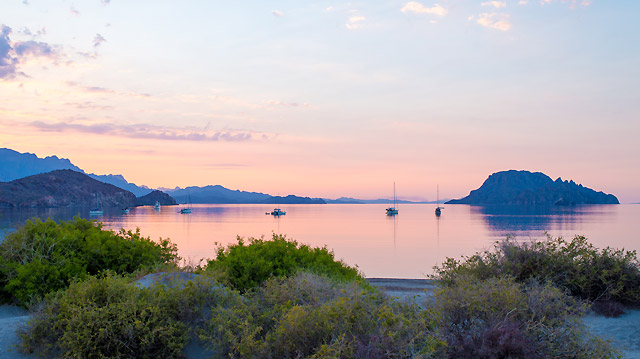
395, 199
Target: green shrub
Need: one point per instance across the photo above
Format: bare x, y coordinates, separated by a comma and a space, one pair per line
42, 257
576, 266
244, 266
110, 317
313, 316
500, 318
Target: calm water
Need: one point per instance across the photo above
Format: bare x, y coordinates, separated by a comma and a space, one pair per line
405, 246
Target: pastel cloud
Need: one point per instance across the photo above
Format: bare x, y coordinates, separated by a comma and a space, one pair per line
98, 40
146, 131
355, 22
496, 4
497, 21
14, 53
572, 3
277, 13
104, 90
417, 8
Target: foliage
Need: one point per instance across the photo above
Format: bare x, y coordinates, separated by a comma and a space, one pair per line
576, 266
500, 318
42, 257
311, 316
109, 317
244, 266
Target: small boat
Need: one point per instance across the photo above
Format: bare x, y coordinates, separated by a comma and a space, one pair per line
277, 212
392, 211
187, 210
438, 208
157, 206
125, 211
97, 211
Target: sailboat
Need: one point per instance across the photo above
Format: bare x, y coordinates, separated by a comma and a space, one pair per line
392, 211
188, 209
438, 208
157, 206
97, 211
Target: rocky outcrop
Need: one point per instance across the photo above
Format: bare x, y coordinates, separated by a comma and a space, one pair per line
159, 196
62, 188
526, 188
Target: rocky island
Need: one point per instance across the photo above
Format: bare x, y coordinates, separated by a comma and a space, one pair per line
62, 188
528, 188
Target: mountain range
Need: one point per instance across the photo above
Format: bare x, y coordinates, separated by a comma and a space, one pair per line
526, 188
15, 165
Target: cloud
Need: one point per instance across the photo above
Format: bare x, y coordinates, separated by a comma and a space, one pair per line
572, 3
105, 2
523, 2
496, 4
98, 40
355, 22
73, 11
417, 8
146, 131
277, 13
498, 21
287, 104
104, 90
14, 53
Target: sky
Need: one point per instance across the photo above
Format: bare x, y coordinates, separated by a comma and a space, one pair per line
327, 98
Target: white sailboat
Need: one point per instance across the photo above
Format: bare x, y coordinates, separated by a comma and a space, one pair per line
187, 210
438, 208
97, 211
392, 211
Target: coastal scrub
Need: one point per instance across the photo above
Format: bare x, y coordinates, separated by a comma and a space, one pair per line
44, 256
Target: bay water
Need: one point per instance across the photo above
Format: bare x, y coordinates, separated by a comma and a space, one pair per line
407, 245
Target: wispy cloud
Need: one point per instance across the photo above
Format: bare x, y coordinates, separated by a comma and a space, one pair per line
98, 40
417, 8
572, 3
73, 10
146, 131
277, 13
105, 2
355, 22
496, 4
523, 2
287, 104
98, 89
12, 54
497, 21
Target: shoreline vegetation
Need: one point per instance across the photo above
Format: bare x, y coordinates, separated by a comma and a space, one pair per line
101, 293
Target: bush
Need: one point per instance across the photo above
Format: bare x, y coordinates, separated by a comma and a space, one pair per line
311, 316
244, 266
500, 318
576, 266
109, 317
43, 257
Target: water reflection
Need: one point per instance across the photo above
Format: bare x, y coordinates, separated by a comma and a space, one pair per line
363, 235
519, 220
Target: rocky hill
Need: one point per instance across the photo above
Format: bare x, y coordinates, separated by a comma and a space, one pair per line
524, 188
159, 196
62, 188
15, 165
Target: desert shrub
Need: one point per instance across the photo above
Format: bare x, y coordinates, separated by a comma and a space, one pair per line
247, 265
44, 256
576, 266
307, 315
500, 318
110, 317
